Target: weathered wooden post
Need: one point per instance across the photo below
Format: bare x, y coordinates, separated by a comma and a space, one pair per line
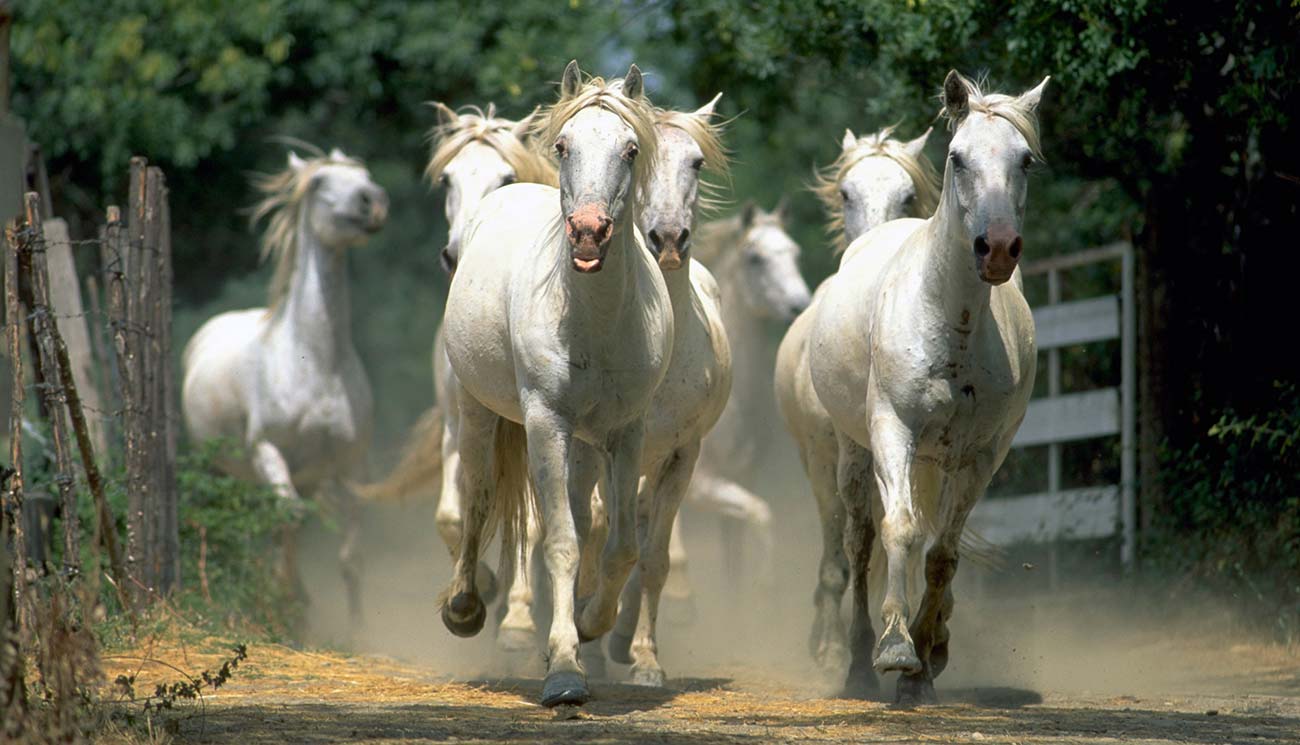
14, 494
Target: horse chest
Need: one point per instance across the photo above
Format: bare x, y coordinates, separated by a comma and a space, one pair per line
319, 417
965, 400
693, 393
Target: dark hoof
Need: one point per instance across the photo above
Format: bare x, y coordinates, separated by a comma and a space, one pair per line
464, 615
565, 688
485, 581
895, 653
862, 686
620, 648
915, 690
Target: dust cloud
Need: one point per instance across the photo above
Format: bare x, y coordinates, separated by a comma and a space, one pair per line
1088, 631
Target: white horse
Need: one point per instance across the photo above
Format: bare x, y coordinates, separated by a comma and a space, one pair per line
474, 153
695, 389
874, 180
559, 320
286, 381
756, 264
922, 351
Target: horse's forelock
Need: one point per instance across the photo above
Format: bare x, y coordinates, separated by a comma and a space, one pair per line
636, 112
1001, 105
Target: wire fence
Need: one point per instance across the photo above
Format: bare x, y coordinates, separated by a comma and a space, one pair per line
90, 382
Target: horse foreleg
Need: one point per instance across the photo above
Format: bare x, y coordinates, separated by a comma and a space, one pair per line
666, 498
620, 553
892, 452
930, 627
349, 559
549, 458
856, 491
465, 611
272, 469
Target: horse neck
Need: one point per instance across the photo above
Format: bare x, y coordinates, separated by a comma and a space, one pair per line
746, 331
317, 309
950, 281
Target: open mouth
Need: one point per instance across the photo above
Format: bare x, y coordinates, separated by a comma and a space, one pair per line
588, 266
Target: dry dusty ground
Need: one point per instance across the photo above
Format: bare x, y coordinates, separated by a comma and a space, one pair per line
1101, 662
282, 695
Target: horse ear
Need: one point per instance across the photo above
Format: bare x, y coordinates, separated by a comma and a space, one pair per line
336, 154
706, 111
779, 210
446, 116
747, 214
571, 81
520, 130
633, 84
1030, 98
955, 94
915, 147
296, 163
850, 140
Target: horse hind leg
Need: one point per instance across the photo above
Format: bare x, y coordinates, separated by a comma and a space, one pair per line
349, 557
449, 516
857, 492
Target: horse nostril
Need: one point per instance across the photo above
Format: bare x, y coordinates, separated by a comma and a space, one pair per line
981, 246
1016, 247
685, 236
655, 239
603, 231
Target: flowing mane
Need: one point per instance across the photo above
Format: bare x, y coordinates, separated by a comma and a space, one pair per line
637, 113
826, 183
285, 194
475, 125
1010, 108
708, 136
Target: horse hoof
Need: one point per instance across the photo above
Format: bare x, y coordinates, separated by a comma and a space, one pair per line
915, 690
650, 677
895, 653
620, 648
861, 687
564, 687
514, 641
485, 581
464, 615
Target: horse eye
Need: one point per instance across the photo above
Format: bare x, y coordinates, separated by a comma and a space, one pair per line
508, 180
844, 194
1026, 161
443, 180
754, 258
631, 152
698, 164
957, 163
561, 149
909, 199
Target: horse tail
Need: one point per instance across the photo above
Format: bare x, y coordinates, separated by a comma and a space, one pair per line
514, 493
419, 467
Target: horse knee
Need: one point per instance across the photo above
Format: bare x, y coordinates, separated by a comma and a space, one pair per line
833, 578
940, 567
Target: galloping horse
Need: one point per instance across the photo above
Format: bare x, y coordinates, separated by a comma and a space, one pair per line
474, 154
285, 380
694, 391
560, 329
922, 351
874, 180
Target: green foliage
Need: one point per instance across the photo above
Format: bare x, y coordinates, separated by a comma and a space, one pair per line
1233, 512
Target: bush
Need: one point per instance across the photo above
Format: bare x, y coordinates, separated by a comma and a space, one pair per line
1232, 511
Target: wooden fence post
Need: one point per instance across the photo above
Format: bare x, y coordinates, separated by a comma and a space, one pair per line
134, 403
14, 496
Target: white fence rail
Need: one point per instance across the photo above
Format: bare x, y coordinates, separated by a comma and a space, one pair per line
1097, 511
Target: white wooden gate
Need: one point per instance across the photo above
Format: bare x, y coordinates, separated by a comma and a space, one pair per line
1096, 511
